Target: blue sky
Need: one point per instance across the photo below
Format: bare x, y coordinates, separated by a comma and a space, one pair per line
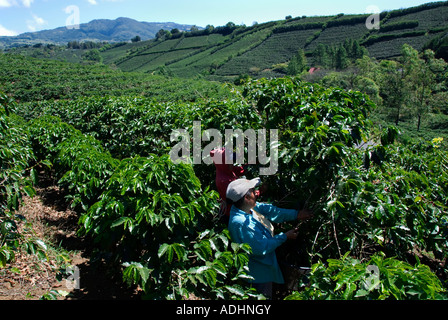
19, 16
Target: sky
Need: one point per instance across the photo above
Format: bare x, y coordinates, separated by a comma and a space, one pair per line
20, 16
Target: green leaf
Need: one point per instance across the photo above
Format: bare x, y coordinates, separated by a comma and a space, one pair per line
41, 244
46, 163
170, 249
144, 274
30, 191
350, 288
361, 293
135, 272
119, 222
331, 204
163, 249
203, 250
180, 251
235, 290
34, 178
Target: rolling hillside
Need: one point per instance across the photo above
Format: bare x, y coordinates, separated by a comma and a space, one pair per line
225, 52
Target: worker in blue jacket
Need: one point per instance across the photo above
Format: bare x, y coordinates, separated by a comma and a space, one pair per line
250, 222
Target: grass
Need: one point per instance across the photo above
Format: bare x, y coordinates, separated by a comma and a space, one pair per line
200, 41
138, 63
437, 17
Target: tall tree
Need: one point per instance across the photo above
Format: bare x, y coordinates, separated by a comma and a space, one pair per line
298, 63
421, 71
341, 58
392, 87
321, 56
136, 39
358, 51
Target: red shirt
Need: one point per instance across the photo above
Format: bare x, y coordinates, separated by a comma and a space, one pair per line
225, 173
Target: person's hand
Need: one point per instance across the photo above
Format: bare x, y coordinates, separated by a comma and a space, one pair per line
292, 234
305, 214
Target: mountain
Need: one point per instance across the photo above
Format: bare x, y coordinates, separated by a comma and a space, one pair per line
121, 29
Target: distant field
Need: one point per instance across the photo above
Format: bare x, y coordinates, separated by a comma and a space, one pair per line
338, 34
278, 48
257, 52
222, 54
427, 19
392, 48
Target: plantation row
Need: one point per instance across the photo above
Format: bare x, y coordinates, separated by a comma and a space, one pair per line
17, 177
378, 203
139, 211
30, 79
187, 57
261, 47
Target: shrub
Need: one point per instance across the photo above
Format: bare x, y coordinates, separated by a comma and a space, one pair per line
155, 220
380, 278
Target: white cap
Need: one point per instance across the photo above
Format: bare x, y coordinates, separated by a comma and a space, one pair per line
237, 189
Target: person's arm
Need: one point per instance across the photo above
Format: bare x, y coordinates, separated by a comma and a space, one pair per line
264, 245
251, 232
276, 214
279, 215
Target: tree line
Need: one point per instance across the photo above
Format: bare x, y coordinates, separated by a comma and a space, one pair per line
85, 45
409, 87
337, 57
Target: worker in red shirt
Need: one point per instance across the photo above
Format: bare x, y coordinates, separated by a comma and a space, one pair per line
226, 173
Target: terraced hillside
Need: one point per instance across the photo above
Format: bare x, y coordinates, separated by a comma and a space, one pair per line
226, 52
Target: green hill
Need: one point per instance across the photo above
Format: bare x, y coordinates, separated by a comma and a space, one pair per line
225, 52
262, 50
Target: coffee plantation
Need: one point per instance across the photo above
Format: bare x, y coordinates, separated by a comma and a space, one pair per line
376, 201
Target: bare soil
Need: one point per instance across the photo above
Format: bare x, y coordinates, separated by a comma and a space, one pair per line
48, 217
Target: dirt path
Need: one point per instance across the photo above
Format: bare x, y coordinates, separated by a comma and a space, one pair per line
30, 278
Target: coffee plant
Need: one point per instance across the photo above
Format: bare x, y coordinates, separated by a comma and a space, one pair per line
379, 278
368, 193
155, 221
17, 178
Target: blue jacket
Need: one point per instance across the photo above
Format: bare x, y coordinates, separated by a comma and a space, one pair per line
244, 228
